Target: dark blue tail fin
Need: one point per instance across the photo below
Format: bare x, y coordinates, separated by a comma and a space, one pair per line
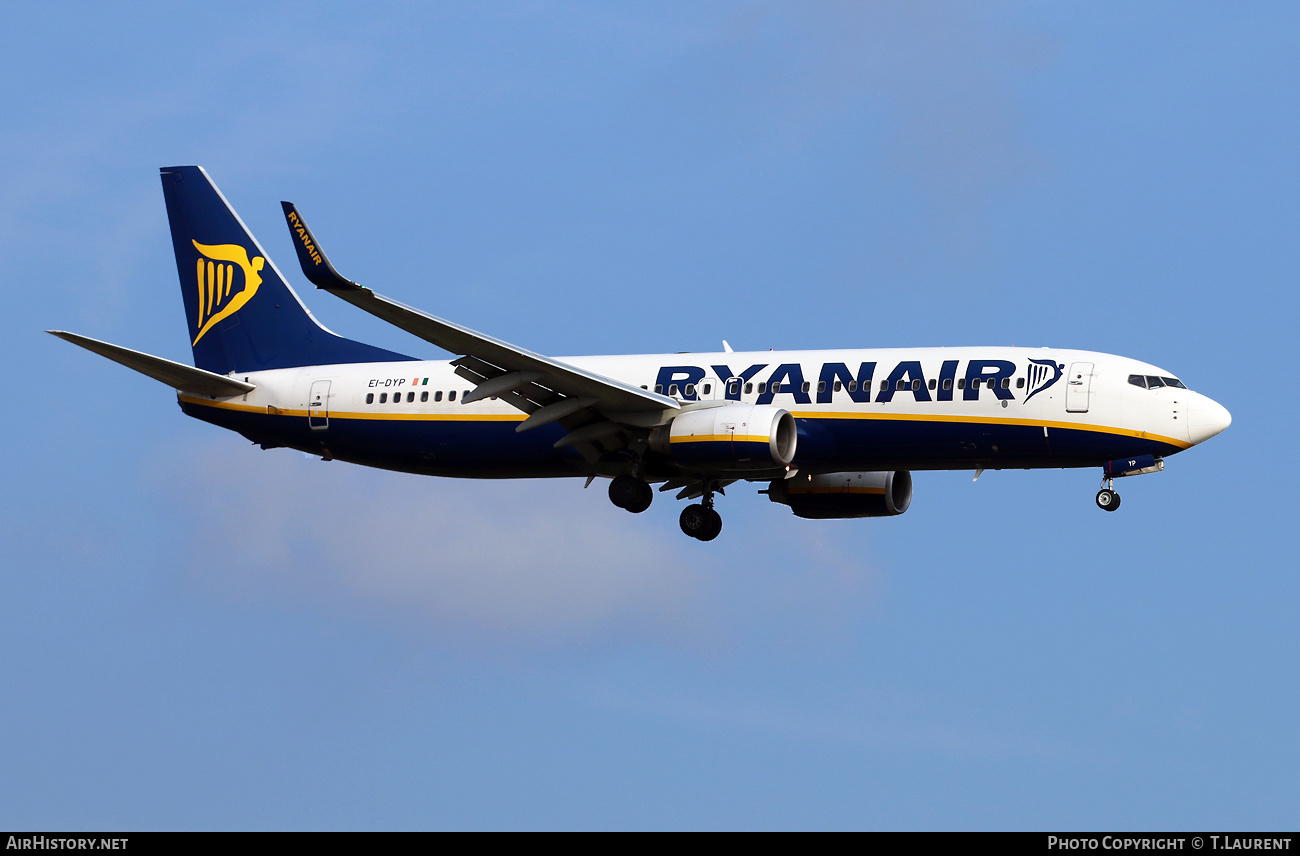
243, 315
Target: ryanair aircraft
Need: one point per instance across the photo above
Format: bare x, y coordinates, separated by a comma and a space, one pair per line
831, 434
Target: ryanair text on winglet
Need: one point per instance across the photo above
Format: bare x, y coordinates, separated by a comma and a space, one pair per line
303, 235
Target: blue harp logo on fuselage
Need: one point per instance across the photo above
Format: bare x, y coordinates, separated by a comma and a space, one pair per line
1042, 374
217, 269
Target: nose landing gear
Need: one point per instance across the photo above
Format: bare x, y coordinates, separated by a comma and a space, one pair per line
1107, 498
699, 520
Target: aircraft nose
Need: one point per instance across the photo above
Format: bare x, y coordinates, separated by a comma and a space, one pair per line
1206, 417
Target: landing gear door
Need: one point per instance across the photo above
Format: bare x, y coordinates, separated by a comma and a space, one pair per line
318, 406
1078, 388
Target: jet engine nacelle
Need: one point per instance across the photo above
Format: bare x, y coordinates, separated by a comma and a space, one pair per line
844, 495
732, 437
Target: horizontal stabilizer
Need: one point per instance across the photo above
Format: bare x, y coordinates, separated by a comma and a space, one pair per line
177, 375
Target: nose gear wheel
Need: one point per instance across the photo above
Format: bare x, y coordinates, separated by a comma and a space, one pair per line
1107, 499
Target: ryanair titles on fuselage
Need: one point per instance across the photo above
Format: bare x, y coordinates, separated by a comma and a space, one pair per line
906, 378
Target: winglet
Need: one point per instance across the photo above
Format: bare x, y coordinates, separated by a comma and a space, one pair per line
315, 265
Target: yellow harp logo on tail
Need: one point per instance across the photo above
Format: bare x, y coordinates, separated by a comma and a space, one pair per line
216, 280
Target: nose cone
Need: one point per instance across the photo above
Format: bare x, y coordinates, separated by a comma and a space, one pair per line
1205, 418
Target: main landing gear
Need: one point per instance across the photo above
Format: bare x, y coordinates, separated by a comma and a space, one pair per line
630, 493
699, 520
1107, 498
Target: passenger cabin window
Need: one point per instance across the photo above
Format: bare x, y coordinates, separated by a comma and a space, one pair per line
933, 383
961, 383
437, 396
807, 386
708, 387
689, 389
975, 384
424, 396
659, 388
749, 387
821, 386
672, 389
733, 388
838, 385
947, 383
370, 398
451, 396
410, 396
1020, 383
1006, 383
916, 384
762, 387
853, 385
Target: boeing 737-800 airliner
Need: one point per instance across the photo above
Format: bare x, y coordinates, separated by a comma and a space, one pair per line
828, 433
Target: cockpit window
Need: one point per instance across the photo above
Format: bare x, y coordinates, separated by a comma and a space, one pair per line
1153, 382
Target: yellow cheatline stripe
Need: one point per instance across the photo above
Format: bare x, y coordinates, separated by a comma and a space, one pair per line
430, 417
335, 414
700, 438
721, 438
994, 420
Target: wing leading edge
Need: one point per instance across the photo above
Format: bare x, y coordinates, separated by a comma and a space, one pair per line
546, 389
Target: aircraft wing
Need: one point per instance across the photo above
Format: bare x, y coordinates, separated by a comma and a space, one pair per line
176, 375
548, 389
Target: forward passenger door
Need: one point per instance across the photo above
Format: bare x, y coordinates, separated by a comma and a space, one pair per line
1078, 388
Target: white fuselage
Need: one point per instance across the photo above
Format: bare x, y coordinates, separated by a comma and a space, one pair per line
927, 408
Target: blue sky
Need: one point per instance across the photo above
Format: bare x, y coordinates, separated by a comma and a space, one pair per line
198, 634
